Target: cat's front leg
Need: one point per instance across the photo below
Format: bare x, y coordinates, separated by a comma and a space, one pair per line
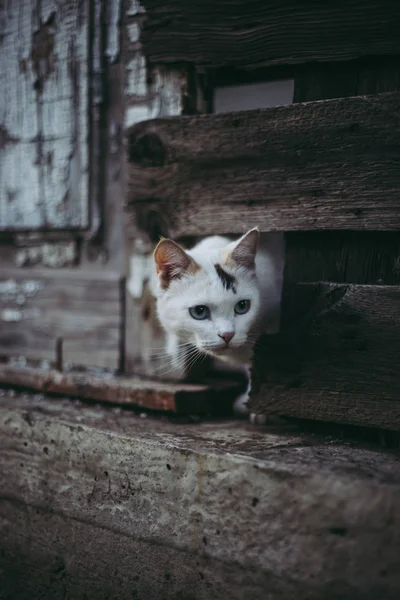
240, 404
240, 407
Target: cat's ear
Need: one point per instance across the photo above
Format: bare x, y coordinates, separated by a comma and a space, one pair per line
172, 262
245, 250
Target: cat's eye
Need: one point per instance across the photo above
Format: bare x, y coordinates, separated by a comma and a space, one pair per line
199, 312
242, 307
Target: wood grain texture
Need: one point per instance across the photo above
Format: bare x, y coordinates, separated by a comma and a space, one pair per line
44, 114
84, 309
371, 75
367, 257
336, 357
318, 165
268, 33
214, 398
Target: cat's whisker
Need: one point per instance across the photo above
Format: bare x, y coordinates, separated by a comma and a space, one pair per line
161, 356
193, 352
161, 349
185, 358
191, 364
167, 353
203, 357
193, 359
182, 348
174, 363
170, 369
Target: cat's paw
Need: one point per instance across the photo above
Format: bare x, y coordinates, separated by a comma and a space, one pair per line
240, 409
257, 419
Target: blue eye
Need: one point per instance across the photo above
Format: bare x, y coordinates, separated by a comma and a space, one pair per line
242, 307
199, 312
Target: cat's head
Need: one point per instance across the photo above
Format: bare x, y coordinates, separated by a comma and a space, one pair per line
211, 299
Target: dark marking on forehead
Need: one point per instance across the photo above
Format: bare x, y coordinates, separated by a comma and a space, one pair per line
228, 281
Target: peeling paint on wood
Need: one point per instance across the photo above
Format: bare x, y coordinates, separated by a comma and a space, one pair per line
162, 98
113, 18
19, 291
149, 94
96, 60
84, 309
8, 314
56, 255
6, 138
133, 31
43, 114
134, 8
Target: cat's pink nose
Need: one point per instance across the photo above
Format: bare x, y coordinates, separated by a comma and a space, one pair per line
227, 336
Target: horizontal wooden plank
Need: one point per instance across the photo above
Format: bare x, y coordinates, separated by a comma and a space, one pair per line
62, 275
320, 81
84, 310
181, 398
249, 34
367, 257
336, 357
319, 165
329, 406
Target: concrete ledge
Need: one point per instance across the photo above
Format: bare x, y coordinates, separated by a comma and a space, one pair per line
99, 503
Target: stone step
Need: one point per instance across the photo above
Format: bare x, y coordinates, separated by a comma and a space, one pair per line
98, 502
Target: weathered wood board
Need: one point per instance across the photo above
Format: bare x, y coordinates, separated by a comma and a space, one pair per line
320, 81
319, 165
337, 357
257, 33
82, 308
216, 397
44, 83
368, 257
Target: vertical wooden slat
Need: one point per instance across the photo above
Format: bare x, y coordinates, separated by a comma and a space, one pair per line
44, 115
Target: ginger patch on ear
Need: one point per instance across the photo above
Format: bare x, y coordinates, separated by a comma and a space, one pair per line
172, 262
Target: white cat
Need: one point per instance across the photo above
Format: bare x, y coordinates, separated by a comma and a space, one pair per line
220, 295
